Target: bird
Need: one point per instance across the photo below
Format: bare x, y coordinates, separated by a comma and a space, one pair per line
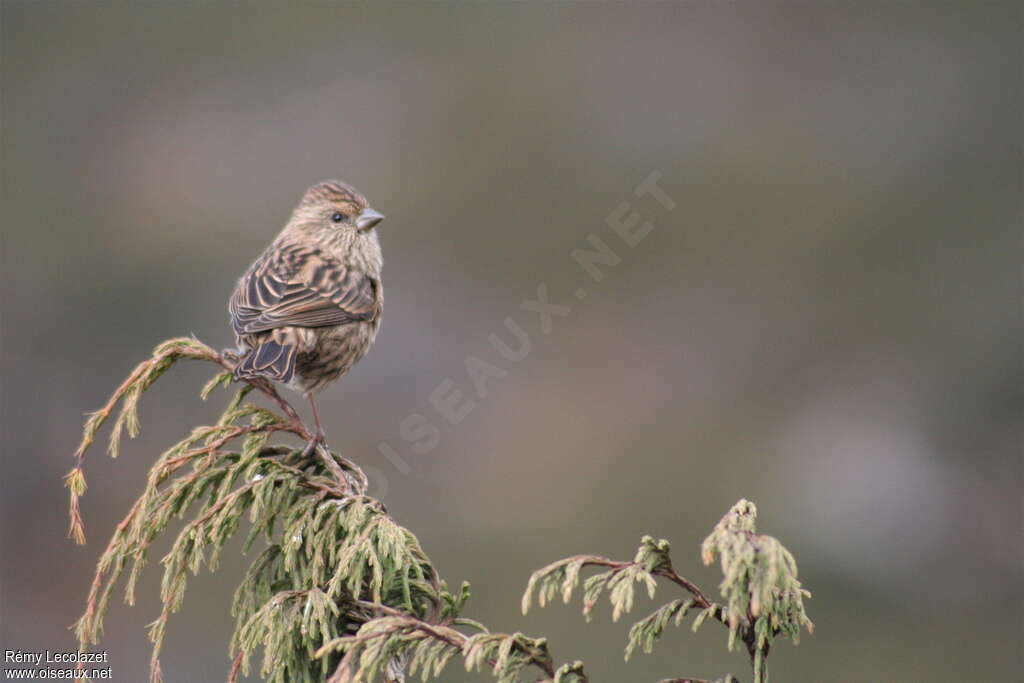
309, 307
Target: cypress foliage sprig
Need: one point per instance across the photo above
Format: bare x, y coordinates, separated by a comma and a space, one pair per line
763, 598
339, 591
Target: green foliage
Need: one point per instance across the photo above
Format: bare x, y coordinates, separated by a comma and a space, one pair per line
760, 585
644, 633
128, 395
763, 597
339, 591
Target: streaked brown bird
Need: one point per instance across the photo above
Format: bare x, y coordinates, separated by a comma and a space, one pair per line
309, 307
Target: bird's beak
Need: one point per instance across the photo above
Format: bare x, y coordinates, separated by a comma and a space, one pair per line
368, 218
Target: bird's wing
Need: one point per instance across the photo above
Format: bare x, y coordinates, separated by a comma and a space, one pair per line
301, 287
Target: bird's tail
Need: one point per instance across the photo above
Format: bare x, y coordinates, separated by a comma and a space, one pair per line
269, 359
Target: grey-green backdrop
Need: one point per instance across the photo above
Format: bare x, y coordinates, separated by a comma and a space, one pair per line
828, 321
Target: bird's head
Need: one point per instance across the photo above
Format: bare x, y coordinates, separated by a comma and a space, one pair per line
336, 207
336, 218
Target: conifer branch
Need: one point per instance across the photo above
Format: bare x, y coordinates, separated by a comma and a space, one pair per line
339, 590
763, 597
337, 576
429, 646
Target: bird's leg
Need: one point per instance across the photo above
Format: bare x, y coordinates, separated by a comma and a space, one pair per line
319, 437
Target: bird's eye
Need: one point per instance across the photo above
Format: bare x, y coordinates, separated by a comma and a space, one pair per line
338, 217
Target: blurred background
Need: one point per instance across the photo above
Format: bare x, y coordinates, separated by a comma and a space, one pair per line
828, 322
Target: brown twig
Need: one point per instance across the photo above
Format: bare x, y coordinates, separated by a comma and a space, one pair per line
699, 598
441, 632
236, 667
746, 632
